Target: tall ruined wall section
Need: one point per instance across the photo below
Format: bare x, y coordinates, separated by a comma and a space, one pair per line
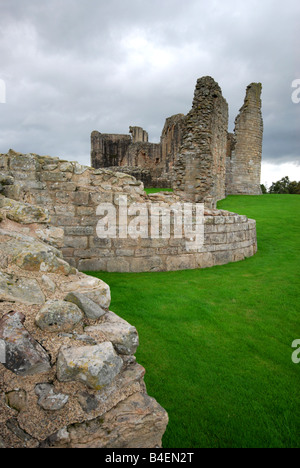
171, 141
72, 193
109, 149
201, 160
131, 155
244, 161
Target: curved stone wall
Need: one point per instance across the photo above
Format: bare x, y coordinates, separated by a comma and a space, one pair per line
72, 193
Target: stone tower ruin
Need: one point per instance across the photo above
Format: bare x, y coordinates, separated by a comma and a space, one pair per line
196, 155
244, 159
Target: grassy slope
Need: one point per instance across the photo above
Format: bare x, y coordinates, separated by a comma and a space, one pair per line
216, 343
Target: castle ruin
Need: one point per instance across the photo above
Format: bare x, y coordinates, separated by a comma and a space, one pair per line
55, 320
196, 156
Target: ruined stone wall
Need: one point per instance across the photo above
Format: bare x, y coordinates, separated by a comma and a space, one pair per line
244, 162
201, 162
109, 149
139, 135
72, 194
171, 140
68, 375
120, 151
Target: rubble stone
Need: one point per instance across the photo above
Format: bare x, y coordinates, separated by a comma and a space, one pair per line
95, 366
24, 355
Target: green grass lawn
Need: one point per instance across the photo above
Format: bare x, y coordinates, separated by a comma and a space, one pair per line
155, 190
216, 342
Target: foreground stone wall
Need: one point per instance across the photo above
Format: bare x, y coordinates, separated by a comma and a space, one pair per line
68, 375
72, 194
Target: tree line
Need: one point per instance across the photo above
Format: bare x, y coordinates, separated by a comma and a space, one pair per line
284, 185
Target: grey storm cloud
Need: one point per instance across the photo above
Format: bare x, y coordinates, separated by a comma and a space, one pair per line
72, 67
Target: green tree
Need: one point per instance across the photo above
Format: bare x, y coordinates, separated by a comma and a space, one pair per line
284, 185
263, 188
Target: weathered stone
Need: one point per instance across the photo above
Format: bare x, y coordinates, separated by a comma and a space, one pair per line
13, 425
88, 401
118, 427
49, 399
92, 264
123, 336
95, 366
183, 262
57, 316
32, 255
51, 235
89, 307
24, 290
24, 355
23, 213
6, 179
17, 399
42, 261
101, 295
146, 264
118, 264
48, 283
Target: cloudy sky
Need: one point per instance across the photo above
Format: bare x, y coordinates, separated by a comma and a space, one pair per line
69, 67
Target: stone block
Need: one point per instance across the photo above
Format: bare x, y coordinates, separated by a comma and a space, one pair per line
64, 196
124, 252
238, 236
123, 336
85, 210
141, 264
102, 197
81, 198
53, 177
97, 242
221, 258
49, 399
23, 162
3, 162
24, 355
89, 307
65, 210
213, 238
58, 316
24, 290
118, 265
145, 252
79, 230
76, 242
95, 366
92, 264
204, 260
89, 220
181, 262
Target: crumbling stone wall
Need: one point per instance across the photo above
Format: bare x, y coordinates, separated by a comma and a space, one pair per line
200, 165
109, 149
68, 375
138, 135
72, 193
244, 160
116, 152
